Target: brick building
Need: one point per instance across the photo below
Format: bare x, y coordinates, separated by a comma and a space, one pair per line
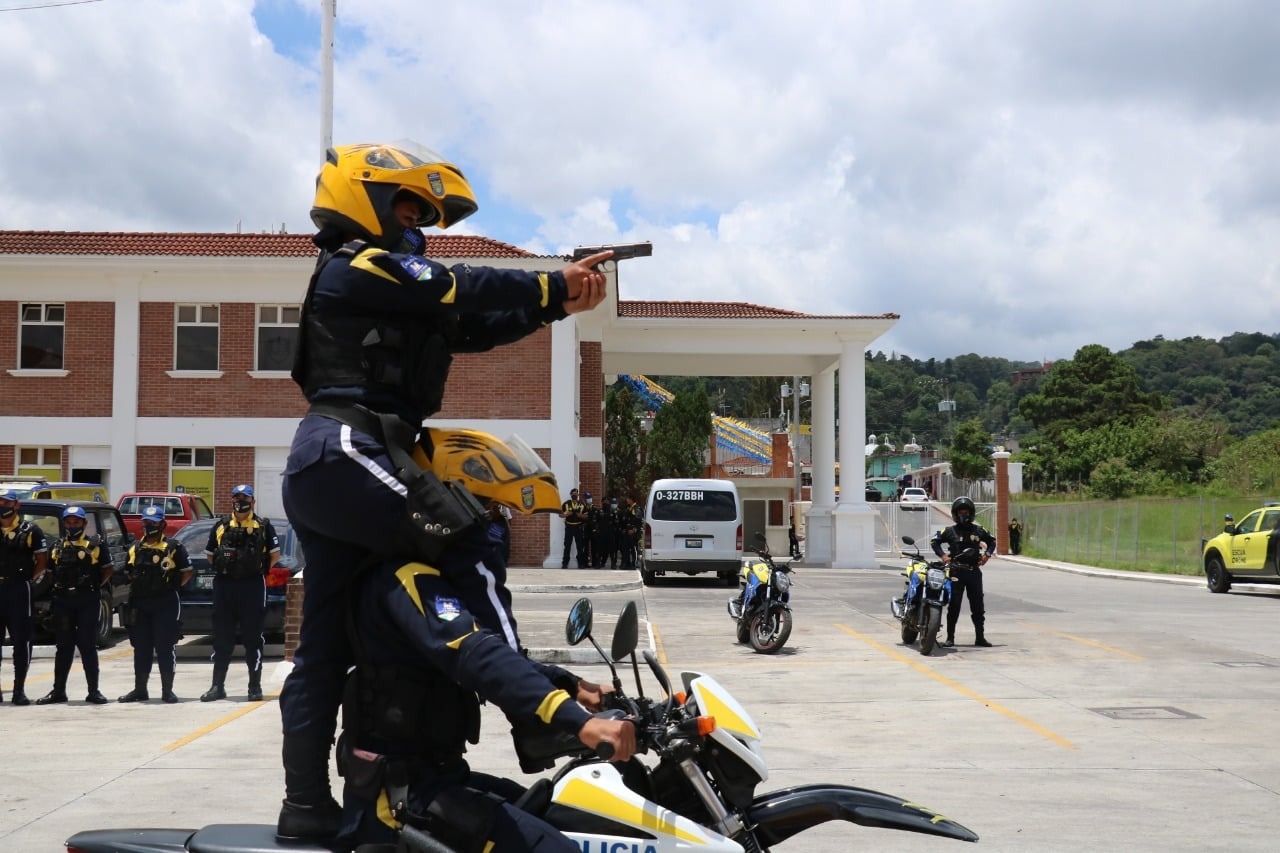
160, 361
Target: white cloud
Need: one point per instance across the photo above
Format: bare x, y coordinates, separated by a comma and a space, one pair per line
1015, 179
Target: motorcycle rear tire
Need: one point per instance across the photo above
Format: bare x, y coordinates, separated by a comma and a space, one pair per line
769, 631
932, 623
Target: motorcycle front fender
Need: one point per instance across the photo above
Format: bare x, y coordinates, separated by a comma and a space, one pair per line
781, 814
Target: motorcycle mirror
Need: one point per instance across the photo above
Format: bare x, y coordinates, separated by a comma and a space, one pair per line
578, 626
760, 537
626, 633
907, 540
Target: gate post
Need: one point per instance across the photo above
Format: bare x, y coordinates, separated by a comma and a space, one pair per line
1001, 458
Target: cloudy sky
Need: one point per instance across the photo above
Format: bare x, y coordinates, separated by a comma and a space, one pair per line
1014, 178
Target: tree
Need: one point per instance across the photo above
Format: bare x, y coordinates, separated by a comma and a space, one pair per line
622, 442
970, 458
680, 437
1093, 388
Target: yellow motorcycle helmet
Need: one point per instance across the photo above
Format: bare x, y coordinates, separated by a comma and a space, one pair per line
509, 472
358, 185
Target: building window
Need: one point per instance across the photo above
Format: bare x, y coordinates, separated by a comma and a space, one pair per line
40, 339
195, 338
277, 336
191, 471
39, 462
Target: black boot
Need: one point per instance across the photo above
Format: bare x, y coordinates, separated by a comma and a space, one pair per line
166, 688
94, 696
309, 810
218, 689
948, 642
980, 640
56, 696
255, 685
19, 694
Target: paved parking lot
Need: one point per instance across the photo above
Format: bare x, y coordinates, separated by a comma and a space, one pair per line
1110, 715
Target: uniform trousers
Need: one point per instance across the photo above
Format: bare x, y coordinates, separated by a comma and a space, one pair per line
75, 618
238, 603
970, 581
154, 632
15, 619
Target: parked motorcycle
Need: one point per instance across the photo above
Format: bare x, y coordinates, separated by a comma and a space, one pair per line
927, 593
698, 789
762, 607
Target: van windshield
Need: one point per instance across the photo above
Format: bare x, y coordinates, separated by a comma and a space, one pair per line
693, 505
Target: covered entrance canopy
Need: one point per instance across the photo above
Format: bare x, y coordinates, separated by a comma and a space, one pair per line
740, 339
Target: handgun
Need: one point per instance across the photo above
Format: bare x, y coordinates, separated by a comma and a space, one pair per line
621, 251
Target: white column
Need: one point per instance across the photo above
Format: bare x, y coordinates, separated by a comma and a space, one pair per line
853, 522
564, 424
124, 388
818, 542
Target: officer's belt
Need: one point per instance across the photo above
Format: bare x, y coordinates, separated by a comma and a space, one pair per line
390, 429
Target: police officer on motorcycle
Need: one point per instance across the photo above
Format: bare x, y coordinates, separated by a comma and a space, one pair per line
23, 557
242, 548
431, 640
380, 325
961, 541
157, 568
81, 567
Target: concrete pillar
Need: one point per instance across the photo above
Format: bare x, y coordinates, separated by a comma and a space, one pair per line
853, 522
1001, 459
819, 546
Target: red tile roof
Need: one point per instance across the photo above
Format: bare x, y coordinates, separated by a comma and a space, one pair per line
728, 311
221, 245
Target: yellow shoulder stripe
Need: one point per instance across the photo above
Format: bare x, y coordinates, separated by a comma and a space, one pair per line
364, 263
407, 574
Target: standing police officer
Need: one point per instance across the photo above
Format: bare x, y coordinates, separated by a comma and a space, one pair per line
23, 556
380, 326
966, 561
241, 549
574, 513
81, 567
603, 546
157, 568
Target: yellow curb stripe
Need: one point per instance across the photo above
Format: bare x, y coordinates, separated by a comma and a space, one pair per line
1085, 640
657, 642
219, 723
961, 689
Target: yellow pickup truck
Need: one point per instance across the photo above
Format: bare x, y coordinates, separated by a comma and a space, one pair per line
1245, 552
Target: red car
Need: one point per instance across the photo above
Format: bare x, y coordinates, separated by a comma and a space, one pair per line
179, 509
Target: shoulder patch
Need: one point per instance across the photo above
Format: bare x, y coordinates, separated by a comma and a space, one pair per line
419, 268
447, 609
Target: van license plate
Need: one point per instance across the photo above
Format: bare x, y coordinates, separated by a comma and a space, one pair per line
693, 543
204, 581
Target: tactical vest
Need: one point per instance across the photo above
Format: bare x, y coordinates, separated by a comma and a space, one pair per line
16, 560
240, 551
386, 356
75, 565
153, 567
410, 711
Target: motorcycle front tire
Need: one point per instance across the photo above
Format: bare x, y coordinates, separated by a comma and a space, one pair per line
770, 630
932, 623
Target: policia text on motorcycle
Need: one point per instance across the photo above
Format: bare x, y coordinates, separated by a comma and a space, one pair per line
380, 325
241, 549
81, 566
965, 560
157, 569
23, 556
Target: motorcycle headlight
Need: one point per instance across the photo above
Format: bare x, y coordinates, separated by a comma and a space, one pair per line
936, 577
783, 581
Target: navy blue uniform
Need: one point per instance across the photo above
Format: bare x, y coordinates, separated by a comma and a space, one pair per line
80, 567
155, 568
241, 553
451, 633
19, 546
965, 572
340, 491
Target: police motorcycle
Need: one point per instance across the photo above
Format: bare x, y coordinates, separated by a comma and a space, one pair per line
762, 608
698, 791
926, 596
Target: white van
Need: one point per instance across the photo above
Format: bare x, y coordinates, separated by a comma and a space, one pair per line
692, 526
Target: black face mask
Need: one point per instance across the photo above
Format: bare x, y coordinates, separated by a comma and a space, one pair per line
152, 529
242, 506
7, 512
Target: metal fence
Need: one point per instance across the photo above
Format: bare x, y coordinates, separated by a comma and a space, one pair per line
919, 522
1150, 534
